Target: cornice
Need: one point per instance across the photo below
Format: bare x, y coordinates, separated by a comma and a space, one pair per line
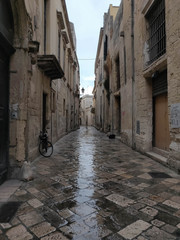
67, 23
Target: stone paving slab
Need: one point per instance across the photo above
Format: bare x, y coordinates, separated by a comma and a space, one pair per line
93, 187
18, 232
42, 229
134, 229
120, 200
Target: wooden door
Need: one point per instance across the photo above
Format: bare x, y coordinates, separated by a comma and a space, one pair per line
162, 136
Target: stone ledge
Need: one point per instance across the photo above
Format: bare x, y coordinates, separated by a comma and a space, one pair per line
157, 157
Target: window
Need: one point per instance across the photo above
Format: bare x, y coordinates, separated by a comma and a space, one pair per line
45, 21
64, 105
117, 73
64, 57
53, 100
125, 73
156, 30
59, 46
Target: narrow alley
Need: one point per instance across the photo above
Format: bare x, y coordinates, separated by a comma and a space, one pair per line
93, 188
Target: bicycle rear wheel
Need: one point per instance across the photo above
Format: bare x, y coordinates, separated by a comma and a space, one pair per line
46, 148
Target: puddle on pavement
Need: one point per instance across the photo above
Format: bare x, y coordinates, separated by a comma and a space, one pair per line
66, 204
89, 172
56, 220
8, 210
159, 175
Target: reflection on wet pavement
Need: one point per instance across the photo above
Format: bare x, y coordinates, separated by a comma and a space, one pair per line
95, 188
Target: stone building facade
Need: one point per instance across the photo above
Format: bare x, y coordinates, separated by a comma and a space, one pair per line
40, 78
86, 114
144, 78
101, 91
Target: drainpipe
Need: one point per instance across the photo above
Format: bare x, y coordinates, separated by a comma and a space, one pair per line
50, 108
103, 111
27, 135
133, 74
112, 102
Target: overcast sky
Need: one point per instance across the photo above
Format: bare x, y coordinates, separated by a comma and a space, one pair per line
87, 16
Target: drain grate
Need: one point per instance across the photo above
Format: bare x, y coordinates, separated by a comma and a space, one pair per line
159, 175
8, 210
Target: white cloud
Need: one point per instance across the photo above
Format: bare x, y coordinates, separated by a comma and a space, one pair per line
88, 90
89, 78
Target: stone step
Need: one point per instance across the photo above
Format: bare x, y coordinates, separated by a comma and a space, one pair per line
157, 157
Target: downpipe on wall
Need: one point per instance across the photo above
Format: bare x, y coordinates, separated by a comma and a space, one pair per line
51, 109
133, 75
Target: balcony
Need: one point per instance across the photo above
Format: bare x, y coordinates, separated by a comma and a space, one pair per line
50, 66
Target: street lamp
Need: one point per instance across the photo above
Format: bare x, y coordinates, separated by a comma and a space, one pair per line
82, 90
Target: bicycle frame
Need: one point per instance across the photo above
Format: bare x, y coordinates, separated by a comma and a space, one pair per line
45, 147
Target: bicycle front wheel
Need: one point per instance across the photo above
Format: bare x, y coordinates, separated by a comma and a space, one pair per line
46, 148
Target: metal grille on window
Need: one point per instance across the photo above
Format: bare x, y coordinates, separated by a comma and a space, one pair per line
156, 30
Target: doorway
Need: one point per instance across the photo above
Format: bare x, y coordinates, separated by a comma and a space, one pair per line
67, 122
44, 113
6, 50
118, 113
161, 135
4, 113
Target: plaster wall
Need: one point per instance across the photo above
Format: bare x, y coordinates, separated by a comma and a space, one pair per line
173, 60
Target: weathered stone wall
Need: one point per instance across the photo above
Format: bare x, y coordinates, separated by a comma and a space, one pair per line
121, 47
20, 67
28, 82
127, 39
143, 86
99, 86
86, 106
108, 101
173, 60
143, 78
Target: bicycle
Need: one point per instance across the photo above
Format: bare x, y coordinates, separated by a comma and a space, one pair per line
45, 146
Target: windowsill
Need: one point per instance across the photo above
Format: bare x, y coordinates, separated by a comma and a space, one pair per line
159, 65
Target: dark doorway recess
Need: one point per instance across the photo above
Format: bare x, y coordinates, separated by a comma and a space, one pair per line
4, 114
6, 50
44, 113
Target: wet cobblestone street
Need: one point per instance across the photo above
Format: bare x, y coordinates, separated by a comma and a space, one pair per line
93, 187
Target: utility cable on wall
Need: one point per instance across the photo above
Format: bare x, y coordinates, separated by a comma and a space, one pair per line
86, 59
